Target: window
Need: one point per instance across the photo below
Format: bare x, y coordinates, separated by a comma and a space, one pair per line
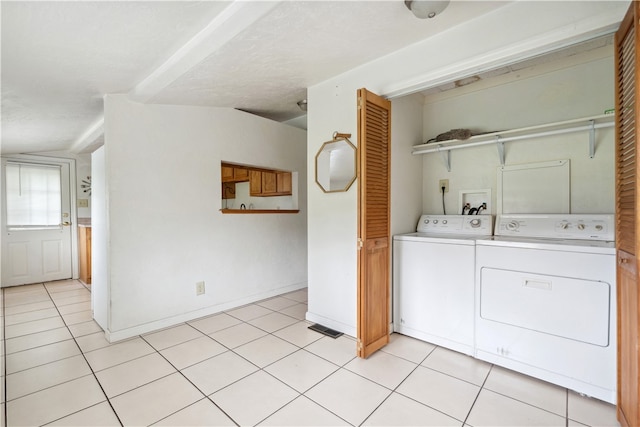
34, 196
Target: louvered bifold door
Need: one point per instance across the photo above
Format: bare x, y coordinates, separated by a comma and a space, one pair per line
374, 152
627, 221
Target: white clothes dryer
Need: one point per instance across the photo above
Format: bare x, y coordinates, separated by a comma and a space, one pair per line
546, 300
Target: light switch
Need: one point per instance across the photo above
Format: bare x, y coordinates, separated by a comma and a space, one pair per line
83, 203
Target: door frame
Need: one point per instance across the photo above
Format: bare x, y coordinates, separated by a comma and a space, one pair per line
71, 163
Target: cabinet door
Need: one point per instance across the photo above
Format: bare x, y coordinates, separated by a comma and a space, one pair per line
269, 183
227, 174
84, 250
255, 183
283, 183
240, 174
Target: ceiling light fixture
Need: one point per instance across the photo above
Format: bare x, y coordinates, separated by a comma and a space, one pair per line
426, 8
302, 104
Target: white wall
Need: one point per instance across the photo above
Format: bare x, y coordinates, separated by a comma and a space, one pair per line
162, 168
515, 31
99, 241
406, 169
83, 171
576, 87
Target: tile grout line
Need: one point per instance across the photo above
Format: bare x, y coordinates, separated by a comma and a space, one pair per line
566, 408
303, 394
395, 390
88, 364
4, 363
275, 361
232, 350
190, 382
464, 422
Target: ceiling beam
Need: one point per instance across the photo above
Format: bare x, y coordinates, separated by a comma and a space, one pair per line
234, 19
91, 135
237, 17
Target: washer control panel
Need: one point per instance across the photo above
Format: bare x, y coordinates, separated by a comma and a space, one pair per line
557, 226
480, 225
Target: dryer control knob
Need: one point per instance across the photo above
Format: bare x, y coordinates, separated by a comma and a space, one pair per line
580, 226
475, 223
513, 225
599, 227
435, 221
444, 221
426, 221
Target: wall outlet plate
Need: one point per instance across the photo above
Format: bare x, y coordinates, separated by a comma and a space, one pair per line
83, 203
443, 183
199, 288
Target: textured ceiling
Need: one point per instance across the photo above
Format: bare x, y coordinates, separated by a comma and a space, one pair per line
60, 58
267, 68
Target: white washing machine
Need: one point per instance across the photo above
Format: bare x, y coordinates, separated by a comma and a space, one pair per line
546, 300
433, 279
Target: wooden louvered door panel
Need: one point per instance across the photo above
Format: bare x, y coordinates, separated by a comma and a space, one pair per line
627, 220
374, 152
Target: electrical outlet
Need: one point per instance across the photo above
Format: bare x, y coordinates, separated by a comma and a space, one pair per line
199, 288
83, 203
443, 183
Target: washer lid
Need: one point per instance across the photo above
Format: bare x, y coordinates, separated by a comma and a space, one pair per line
451, 239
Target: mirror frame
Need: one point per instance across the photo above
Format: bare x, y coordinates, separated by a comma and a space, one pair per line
338, 138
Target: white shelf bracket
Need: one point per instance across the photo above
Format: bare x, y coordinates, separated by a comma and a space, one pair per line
500, 147
446, 156
592, 139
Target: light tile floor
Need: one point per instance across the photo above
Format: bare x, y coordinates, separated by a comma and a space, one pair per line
254, 365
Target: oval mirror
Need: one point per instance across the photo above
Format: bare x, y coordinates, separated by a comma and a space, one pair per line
336, 165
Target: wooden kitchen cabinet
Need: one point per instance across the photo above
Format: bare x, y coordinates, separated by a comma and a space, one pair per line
232, 173
84, 249
227, 173
240, 174
269, 183
283, 182
255, 183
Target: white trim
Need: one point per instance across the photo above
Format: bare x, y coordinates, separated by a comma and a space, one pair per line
113, 336
545, 43
332, 324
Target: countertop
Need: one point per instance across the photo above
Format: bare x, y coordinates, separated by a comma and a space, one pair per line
259, 211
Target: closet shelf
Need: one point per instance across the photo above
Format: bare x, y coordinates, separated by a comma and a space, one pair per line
589, 124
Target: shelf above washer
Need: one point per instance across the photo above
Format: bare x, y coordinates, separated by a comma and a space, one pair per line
588, 124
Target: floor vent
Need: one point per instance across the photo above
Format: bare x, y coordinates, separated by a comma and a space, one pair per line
325, 331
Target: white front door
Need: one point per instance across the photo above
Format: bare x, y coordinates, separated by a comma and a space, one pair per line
36, 221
